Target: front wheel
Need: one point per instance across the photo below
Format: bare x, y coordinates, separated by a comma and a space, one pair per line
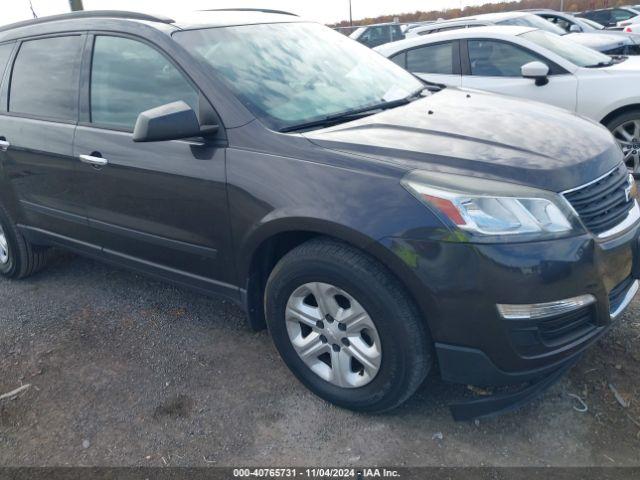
626, 130
346, 327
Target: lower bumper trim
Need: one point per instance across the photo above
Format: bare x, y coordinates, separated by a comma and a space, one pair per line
635, 286
502, 403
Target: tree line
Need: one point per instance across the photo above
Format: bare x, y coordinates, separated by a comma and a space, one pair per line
421, 16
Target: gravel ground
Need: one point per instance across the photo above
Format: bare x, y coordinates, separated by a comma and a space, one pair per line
130, 371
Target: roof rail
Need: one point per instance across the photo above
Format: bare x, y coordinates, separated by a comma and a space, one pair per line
89, 14
263, 10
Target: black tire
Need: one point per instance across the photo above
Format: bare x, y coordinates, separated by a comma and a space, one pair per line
24, 259
406, 345
621, 119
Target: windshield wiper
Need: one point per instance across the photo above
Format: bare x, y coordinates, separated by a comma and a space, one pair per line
354, 114
601, 64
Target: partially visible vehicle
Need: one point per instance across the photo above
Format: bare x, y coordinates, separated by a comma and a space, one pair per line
379, 34
572, 24
536, 65
615, 18
608, 44
410, 26
634, 28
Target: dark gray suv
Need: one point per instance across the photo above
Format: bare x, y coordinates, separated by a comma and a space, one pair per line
372, 222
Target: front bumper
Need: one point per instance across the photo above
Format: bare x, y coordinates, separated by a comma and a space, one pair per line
465, 282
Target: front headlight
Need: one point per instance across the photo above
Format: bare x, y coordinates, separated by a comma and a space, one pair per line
490, 210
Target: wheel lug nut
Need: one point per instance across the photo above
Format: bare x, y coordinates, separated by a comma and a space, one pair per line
346, 342
320, 324
328, 318
323, 339
336, 347
342, 327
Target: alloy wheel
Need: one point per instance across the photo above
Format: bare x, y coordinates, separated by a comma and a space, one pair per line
627, 135
333, 335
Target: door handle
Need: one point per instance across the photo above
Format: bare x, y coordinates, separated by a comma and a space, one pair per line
4, 145
93, 160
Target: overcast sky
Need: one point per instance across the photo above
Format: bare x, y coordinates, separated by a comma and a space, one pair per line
326, 11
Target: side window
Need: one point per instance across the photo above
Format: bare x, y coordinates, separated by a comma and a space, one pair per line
619, 15
603, 17
396, 33
497, 59
5, 53
400, 59
560, 22
431, 59
129, 77
44, 81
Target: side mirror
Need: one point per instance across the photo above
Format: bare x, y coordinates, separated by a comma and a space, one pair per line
537, 71
575, 28
172, 121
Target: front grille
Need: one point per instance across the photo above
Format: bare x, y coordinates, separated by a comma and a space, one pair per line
617, 295
605, 203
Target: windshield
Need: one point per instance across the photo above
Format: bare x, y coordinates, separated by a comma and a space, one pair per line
533, 21
293, 73
575, 53
357, 32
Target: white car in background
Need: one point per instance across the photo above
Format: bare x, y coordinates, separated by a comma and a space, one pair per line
611, 43
537, 65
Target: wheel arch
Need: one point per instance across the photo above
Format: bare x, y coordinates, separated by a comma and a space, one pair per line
268, 246
619, 111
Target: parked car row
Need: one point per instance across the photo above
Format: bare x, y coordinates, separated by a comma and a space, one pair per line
536, 65
378, 224
618, 43
616, 17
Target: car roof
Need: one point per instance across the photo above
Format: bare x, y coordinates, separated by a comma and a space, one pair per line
188, 21
494, 31
546, 10
625, 7
486, 17
379, 24
491, 16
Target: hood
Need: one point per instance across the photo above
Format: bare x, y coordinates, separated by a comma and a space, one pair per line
600, 41
484, 135
634, 38
629, 65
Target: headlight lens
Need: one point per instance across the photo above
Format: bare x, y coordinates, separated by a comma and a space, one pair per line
489, 209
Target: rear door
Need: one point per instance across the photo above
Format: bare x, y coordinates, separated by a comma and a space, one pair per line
495, 66
436, 62
38, 117
158, 206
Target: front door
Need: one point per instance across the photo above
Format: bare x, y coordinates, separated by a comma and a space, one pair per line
495, 66
160, 206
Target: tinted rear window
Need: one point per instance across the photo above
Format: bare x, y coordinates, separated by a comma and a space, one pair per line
44, 82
